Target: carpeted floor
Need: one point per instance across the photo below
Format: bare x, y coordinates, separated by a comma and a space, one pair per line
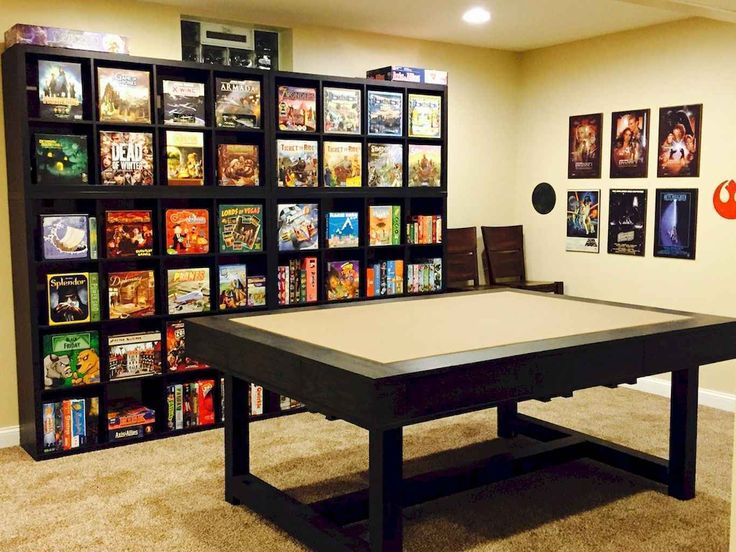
167, 495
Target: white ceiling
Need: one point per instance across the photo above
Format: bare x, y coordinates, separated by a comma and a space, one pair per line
516, 25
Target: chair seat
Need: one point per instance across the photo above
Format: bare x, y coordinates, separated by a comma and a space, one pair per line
535, 285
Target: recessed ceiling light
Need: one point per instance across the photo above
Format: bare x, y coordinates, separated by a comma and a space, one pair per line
477, 15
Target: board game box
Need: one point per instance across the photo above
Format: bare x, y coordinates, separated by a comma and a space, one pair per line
425, 114
183, 103
73, 298
385, 165
238, 165
341, 110
128, 234
342, 230
65, 236
237, 103
297, 163
342, 164
233, 287
425, 165
60, 90
188, 290
185, 158
124, 95
240, 228
61, 159
298, 225
56, 37
385, 113
256, 291
187, 231
297, 108
131, 294
384, 225
126, 158
343, 280
134, 355
177, 359
71, 359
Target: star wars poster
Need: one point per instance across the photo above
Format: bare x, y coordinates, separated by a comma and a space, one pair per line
584, 152
583, 210
676, 223
679, 141
630, 143
627, 222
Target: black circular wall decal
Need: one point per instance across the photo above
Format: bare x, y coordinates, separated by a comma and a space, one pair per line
543, 198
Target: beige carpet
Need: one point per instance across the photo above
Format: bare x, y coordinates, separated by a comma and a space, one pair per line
167, 495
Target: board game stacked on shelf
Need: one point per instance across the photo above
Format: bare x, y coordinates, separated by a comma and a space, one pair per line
190, 404
127, 419
424, 229
161, 190
424, 276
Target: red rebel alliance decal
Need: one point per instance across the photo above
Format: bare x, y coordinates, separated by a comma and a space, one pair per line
724, 199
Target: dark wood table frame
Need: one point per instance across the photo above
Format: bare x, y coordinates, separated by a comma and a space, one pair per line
383, 398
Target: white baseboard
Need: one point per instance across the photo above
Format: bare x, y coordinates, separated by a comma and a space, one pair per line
9, 436
706, 397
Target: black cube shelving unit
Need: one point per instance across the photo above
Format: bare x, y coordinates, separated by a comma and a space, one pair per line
28, 200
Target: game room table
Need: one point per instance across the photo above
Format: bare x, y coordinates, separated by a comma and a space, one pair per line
383, 365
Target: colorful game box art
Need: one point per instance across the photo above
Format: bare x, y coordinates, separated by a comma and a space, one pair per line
176, 353
187, 231
342, 164
185, 158
124, 95
298, 225
627, 222
70, 423
630, 143
126, 158
425, 165
233, 287
238, 165
385, 113
238, 103
65, 236
297, 163
183, 103
73, 298
583, 228
128, 234
61, 159
241, 228
131, 294
675, 219
343, 280
341, 110
679, 141
256, 291
385, 165
188, 290
297, 108
384, 225
425, 114
584, 151
71, 359
60, 90
134, 355
342, 230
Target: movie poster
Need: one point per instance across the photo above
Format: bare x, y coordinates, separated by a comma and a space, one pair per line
584, 152
675, 223
679, 141
630, 143
583, 211
627, 222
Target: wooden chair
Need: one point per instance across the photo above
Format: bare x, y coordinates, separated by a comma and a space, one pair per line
462, 259
503, 260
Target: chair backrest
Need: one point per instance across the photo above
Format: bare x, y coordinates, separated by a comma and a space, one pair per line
462, 257
503, 253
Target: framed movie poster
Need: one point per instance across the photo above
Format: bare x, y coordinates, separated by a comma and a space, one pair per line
676, 215
584, 152
630, 143
679, 141
627, 222
583, 212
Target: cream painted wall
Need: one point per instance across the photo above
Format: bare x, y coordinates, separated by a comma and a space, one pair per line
660, 66
482, 103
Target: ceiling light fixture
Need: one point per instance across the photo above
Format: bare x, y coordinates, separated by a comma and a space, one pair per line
477, 15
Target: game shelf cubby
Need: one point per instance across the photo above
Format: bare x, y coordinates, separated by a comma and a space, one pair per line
412, 265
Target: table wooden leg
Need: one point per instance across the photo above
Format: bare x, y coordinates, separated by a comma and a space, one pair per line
385, 483
506, 414
237, 439
683, 432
